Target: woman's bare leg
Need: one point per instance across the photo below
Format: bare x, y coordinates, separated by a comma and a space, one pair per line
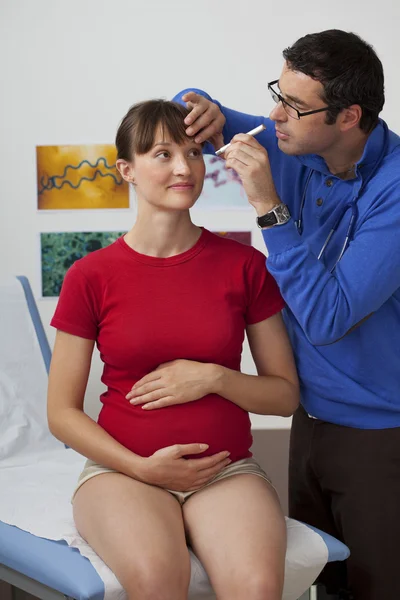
138, 531
237, 529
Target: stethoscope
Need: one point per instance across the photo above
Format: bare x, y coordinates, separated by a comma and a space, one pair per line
352, 205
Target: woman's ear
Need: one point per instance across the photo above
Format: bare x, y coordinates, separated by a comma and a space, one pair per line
126, 170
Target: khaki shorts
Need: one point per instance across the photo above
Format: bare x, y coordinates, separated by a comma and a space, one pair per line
247, 466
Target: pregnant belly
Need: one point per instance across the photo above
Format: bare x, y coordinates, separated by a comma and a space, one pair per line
211, 420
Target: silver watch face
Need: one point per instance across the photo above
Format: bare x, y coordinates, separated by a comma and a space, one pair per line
276, 216
282, 213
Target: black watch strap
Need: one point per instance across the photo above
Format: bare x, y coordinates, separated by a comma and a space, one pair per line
267, 220
278, 215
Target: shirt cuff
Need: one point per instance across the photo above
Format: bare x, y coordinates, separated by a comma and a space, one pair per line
281, 237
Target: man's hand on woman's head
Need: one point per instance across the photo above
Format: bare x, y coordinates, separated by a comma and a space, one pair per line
245, 155
175, 382
205, 121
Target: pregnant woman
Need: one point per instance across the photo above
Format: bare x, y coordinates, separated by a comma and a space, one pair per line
169, 461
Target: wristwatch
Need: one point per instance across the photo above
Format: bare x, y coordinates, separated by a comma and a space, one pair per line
278, 215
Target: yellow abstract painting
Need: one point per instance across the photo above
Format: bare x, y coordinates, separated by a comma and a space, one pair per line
73, 177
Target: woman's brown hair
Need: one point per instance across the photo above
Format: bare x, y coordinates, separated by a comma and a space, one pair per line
136, 133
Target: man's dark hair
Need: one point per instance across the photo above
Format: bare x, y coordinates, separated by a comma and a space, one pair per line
348, 68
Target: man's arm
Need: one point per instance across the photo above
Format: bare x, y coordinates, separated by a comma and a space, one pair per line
327, 305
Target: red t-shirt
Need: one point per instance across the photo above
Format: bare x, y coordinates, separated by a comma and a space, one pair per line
144, 311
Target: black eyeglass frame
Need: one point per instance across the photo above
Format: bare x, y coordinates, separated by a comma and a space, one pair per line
283, 101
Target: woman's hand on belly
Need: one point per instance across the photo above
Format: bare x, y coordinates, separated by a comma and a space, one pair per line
175, 382
167, 468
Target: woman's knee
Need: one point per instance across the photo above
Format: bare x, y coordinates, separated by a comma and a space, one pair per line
266, 585
160, 580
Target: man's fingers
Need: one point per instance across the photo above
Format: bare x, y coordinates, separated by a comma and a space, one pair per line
213, 129
193, 97
205, 118
249, 140
239, 155
236, 164
197, 109
238, 149
201, 119
217, 141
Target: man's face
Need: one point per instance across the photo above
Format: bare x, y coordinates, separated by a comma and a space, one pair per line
309, 134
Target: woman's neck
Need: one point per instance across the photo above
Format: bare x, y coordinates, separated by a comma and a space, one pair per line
163, 234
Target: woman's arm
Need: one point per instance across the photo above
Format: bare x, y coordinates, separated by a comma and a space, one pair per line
69, 372
274, 391
68, 378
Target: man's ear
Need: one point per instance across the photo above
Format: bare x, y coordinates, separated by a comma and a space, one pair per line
350, 117
126, 170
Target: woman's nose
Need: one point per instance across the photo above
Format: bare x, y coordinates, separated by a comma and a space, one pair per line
181, 166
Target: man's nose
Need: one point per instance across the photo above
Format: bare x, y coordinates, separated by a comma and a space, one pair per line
278, 113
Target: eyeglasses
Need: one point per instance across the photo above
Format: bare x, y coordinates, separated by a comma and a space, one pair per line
290, 110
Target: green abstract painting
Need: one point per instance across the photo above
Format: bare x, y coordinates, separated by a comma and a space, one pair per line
60, 250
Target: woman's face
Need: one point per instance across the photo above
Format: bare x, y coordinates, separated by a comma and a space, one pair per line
170, 175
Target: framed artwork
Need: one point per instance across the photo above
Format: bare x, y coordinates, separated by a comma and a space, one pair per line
79, 177
60, 250
223, 189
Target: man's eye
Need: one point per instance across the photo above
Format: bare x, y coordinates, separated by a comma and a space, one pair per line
295, 105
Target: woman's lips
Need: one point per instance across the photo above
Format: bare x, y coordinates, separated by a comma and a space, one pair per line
182, 186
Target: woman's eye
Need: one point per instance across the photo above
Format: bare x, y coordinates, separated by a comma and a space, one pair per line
163, 154
195, 152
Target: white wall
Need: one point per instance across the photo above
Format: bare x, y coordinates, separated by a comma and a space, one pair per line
70, 69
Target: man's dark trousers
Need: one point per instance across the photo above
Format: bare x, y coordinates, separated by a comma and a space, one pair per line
346, 481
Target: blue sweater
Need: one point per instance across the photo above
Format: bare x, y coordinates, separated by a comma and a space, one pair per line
352, 380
